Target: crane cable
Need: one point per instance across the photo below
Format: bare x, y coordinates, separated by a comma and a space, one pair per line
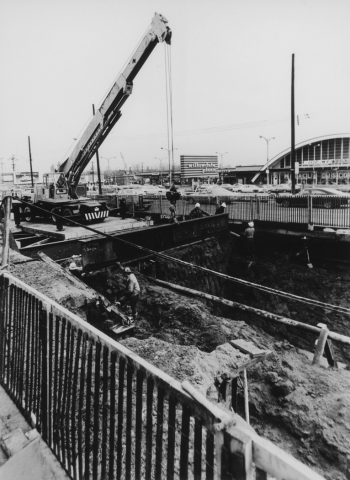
290, 296
169, 108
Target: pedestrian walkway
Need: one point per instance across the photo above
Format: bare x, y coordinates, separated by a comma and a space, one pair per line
23, 453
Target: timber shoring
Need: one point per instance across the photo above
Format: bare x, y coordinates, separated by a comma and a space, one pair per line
262, 313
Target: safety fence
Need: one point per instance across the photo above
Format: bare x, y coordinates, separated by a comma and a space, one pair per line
107, 413
326, 211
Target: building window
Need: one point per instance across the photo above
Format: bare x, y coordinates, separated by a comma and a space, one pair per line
346, 147
325, 150
331, 149
338, 148
287, 161
282, 163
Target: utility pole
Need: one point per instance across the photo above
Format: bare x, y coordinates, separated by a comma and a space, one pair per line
267, 158
30, 162
292, 149
98, 163
2, 169
13, 159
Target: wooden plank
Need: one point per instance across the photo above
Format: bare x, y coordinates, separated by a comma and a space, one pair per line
65, 389
112, 418
60, 387
209, 456
120, 417
138, 424
247, 347
197, 463
329, 351
104, 413
82, 383
171, 438
74, 404
55, 387
121, 329
149, 427
96, 459
185, 434
279, 464
159, 434
88, 409
129, 395
68, 399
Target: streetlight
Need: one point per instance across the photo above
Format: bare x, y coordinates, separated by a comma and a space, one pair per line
108, 159
314, 161
222, 163
267, 161
160, 167
169, 150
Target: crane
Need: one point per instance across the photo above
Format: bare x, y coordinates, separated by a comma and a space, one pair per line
125, 166
59, 188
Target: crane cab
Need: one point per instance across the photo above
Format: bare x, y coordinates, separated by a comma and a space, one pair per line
53, 189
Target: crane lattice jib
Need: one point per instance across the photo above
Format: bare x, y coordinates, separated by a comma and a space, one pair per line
109, 112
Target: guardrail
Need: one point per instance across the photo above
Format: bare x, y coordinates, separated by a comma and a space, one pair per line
326, 211
107, 413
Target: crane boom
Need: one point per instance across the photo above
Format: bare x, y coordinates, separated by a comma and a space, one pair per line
109, 112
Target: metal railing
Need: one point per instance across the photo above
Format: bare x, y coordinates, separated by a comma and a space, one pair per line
326, 211
107, 413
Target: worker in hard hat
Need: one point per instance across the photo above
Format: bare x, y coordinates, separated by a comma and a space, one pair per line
131, 292
73, 268
220, 209
197, 212
249, 235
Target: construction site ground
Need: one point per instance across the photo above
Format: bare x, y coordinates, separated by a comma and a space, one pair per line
304, 409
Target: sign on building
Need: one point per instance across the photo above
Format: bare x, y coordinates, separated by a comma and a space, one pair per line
197, 166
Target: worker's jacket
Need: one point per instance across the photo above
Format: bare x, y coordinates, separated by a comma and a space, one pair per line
132, 286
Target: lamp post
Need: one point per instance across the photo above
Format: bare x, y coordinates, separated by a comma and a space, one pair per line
222, 164
160, 167
169, 150
314, 162
267, 160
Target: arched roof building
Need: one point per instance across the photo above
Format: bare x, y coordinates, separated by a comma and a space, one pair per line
322, 161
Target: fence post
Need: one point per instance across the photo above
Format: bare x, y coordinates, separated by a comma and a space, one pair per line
2, 325
257, 208
321, 342
238, 446
43, 318
6, 233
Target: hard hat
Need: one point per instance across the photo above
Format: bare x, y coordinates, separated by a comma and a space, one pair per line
251, 224
223, 204
127, 270
198, 205
72, 266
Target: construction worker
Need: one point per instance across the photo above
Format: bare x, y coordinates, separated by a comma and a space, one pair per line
249, 235
220, 209
173, 218
197, 212
131, 293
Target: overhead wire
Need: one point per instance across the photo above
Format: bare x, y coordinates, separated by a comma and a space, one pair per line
309, 301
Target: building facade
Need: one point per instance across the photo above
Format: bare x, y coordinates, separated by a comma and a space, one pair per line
319, 161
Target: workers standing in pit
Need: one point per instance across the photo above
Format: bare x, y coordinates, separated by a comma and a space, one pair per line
220, 209
197, 212
131, 293
249, 235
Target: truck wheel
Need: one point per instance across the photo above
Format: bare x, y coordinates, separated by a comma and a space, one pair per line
191, 200
327, 204
285, 203
28, 214
53, 218
67, 212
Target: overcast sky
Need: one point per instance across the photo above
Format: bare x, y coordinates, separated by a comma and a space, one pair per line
231, 77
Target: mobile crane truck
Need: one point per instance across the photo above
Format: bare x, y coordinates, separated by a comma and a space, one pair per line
58, 193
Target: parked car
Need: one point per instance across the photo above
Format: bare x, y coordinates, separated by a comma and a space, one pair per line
283, 188
245, 188
321, 197
208, 195
154, 190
